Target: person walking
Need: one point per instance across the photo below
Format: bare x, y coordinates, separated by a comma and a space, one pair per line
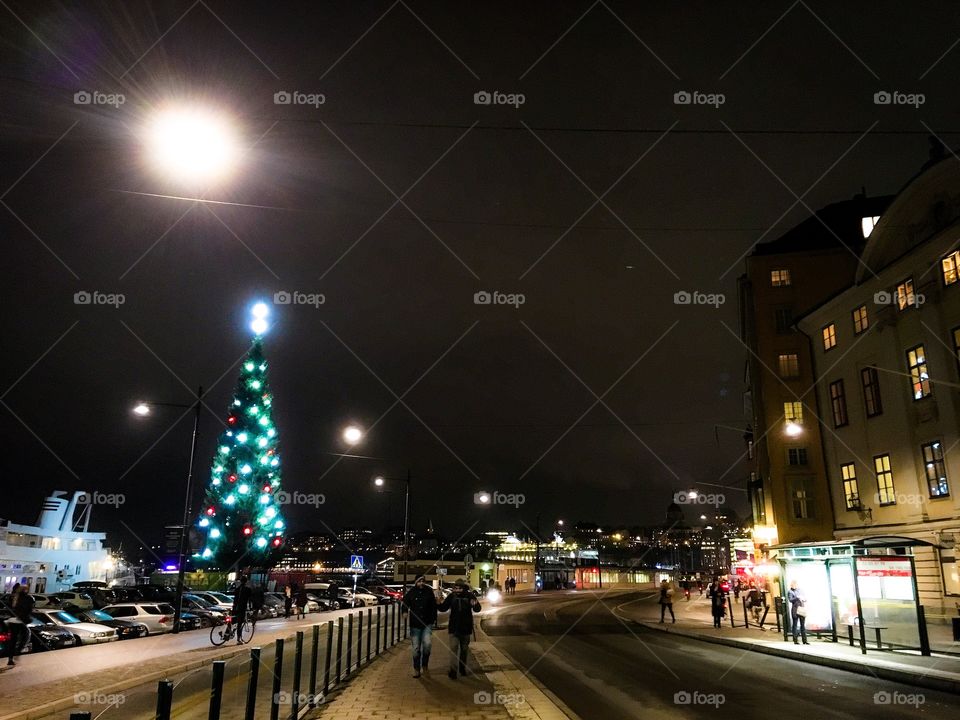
461, 604
421, 603
287, 601
21, 602
241, 600
798, 613
666, 600
718, 602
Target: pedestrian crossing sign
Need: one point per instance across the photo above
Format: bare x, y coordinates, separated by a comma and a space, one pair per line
356, 562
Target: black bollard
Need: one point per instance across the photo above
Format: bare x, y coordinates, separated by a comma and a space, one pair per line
379, 625
164, 699
216, 690
349, 642
297, 669
339, 647
359, 638
251, 709
277, 674
314, 653
326, 665
369, 630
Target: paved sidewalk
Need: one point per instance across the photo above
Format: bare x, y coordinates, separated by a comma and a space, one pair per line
495, 690
940, 671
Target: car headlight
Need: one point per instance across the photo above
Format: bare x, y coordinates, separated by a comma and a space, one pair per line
493, 595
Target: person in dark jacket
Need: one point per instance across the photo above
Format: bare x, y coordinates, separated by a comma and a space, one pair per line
241, 600
21, 602
718, 602
288, 595
798, 616
462, 604
421, 603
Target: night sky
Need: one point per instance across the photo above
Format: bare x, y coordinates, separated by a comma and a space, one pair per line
398, 199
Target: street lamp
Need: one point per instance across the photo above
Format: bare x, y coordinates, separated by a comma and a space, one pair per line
143, 409
352, 435
191, 145
380, 481
793, 429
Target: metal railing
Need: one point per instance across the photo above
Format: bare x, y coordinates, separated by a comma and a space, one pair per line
384, 628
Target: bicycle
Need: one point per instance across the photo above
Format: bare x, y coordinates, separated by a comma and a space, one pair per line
243, 631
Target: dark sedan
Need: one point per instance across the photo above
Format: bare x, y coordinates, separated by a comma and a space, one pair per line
126, 629
47, 636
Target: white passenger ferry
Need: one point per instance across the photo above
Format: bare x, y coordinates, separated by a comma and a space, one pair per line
56, 552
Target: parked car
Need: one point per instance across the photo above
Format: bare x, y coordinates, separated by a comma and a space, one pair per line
217, 599
48, 636
43, 600
73, 599
189, 621
87, 633
377, 595
323, 603
347, 599
208, 613
157, 617
126, 629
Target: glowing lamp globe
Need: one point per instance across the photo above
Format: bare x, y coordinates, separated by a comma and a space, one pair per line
191, 145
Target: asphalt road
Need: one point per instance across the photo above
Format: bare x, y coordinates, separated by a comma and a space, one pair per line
601, 667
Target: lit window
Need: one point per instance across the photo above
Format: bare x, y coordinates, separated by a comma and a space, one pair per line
789, 365
829, 336
935, 469
905, 295
802, 499
919, 377
779, 278
851, 490
886, 495
867, 224
860, 320
793, 413
950, 266
870, 380
838, 403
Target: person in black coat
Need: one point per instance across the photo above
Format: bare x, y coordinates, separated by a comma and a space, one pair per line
421, 603
21, 602
461, 604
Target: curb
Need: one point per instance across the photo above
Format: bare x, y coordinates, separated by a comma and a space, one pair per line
907, 677
66, 703
504, 674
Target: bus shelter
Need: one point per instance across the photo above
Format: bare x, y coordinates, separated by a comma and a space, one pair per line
860, 588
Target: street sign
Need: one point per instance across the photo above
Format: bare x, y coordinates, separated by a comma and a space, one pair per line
356, 562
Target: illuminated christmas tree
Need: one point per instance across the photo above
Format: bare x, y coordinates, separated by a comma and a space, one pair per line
241, 517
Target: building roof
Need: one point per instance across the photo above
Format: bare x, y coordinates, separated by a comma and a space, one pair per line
830, 227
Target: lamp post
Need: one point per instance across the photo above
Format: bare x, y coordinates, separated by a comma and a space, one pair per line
353, 435
380, 481
143, 409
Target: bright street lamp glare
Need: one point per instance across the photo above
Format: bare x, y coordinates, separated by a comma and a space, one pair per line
692, 494
352, 434
484, 498
142, 409
259, 326
793, 429
191, 145
260, 310
378, 481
